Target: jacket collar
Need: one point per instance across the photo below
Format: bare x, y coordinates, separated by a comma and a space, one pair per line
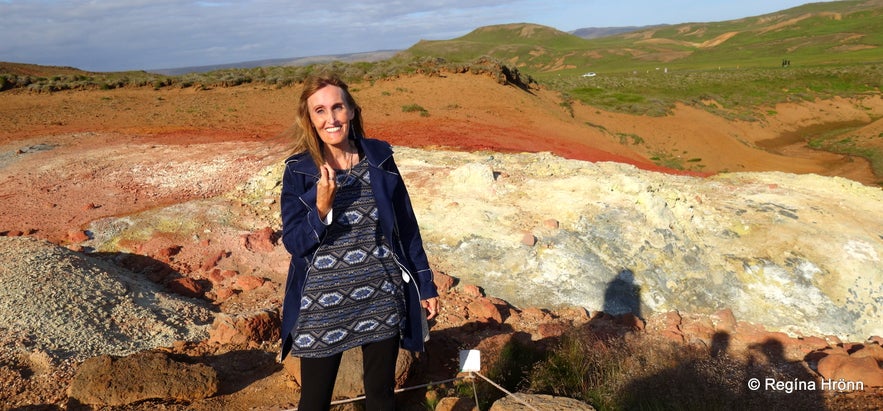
377, 152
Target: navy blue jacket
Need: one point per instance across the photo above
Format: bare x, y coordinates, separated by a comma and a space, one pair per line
303, 232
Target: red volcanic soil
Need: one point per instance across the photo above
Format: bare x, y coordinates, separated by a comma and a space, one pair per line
71, 157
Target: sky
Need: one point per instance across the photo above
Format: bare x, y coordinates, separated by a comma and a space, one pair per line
120, 35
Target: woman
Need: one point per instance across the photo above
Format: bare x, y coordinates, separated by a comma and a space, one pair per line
358, 275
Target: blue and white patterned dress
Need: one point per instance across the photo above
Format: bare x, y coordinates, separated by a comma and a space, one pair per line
353, 292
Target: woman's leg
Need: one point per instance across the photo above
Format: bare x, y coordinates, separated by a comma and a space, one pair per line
317, 377
379, 373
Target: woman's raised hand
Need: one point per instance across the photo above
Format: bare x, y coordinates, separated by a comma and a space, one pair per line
325, 190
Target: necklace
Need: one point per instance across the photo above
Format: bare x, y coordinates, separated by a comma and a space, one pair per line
345, 179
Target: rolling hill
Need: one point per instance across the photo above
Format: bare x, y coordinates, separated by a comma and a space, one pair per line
839, 32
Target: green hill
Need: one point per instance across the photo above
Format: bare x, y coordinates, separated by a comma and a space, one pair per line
841, 32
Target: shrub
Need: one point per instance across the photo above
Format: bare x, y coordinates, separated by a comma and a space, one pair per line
640, 372
411, 108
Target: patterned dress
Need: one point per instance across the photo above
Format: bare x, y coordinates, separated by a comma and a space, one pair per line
353, 293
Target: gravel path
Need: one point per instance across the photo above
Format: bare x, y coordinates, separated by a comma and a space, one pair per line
75, 306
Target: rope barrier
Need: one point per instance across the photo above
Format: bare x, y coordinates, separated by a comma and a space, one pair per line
504, 390
469, 376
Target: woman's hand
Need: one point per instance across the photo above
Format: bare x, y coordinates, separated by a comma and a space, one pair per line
431, 306
325, 190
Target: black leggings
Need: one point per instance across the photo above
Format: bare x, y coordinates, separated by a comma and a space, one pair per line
379, 373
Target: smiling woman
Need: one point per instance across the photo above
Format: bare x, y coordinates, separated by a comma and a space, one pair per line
359, 277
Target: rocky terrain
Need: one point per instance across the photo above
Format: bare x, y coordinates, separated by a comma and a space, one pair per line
139, 233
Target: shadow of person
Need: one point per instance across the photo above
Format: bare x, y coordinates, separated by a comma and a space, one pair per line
712, 379
720, 342
785, 384
622, 295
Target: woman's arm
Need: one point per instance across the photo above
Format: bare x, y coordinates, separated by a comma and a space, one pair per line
412, 242
302, 229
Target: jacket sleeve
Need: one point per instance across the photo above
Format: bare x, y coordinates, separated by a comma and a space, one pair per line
409, 234
302, 230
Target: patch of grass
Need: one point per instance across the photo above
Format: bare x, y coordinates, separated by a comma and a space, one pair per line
737, 93
637, 372
624, 137
598, 126
415, 108
667, 160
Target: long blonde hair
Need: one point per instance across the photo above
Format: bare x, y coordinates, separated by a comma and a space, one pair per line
305, 135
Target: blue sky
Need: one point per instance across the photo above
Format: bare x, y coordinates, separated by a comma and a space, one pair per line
115, 35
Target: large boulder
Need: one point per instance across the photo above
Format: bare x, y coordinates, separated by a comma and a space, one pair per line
114, 381
516, 402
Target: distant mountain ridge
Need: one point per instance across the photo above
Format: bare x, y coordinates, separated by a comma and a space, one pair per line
370, 56
598, 32
292, 61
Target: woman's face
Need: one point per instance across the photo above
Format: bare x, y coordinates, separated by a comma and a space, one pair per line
330, 114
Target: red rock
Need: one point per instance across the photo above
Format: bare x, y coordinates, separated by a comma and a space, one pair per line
482, 308
666, 322
166, 254
263, 240
215, 276
724, 320
814, 343
829, 364
456, 404
212, 260
575, 314
876, 339
223, 293
701, 328
443, 282
243, 328
869, 350
186, 286
77, 236
547, 330
248, 282
528, 239
534, 314
864, 370
118, 381
472, 291
551, 223
498, 301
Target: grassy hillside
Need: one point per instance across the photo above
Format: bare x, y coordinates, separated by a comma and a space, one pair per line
842, 32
